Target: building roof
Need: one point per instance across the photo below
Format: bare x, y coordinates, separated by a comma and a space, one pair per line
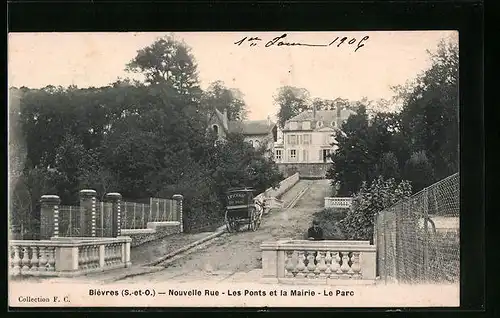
321, 115
251, 127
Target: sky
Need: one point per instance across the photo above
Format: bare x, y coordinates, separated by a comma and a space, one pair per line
387, 58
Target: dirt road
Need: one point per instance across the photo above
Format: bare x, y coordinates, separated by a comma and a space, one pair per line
240, 252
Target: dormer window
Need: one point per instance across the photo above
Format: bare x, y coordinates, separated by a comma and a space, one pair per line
333, 124
320, 124
216, 129
306, 125
293, 125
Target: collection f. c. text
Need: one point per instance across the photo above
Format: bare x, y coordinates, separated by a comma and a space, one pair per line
280, 41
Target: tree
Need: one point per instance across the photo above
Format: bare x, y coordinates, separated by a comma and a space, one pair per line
388, 166
430, 110
419, 170
218, 96
352, 162
167, 61
291, 101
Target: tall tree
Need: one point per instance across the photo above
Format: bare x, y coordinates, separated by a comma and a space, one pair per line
430, 110
291, 101
218, 96
168, 61
353, 161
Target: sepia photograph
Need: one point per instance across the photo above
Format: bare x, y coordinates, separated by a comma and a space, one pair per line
234, 169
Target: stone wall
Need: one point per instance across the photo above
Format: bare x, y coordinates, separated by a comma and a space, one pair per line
151, 234
305, 170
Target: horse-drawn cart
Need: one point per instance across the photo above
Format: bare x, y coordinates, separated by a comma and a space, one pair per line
241, 209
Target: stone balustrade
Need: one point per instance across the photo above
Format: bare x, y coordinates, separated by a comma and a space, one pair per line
338, 202
65, 256
271, 195
318, 262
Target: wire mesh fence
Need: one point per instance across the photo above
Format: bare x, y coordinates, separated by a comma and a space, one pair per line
418, 239
137, 215
70, 218
104, 219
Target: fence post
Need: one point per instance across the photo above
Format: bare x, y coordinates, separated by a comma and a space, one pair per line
102, 216
133, 220
151, 210
87, 202
165, 218
178, 198
115, 200
375, 241
49, 216
143, 217
426, 234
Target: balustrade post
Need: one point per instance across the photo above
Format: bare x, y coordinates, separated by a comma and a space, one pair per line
179, 198
115, 200
88, 217
66, 258
49, 216
102, 255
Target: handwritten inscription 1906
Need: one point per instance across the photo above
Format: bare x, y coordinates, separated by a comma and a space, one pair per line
278, 41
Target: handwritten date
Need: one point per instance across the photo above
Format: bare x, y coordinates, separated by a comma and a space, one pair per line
279, 41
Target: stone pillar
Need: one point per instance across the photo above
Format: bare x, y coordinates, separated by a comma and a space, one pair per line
178, 198
49, 216
115, 200
88, 217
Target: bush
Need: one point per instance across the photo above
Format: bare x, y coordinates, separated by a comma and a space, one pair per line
367, 202
329, 221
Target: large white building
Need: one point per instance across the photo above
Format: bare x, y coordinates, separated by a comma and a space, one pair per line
308, 137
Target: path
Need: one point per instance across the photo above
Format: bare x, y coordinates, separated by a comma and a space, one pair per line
235, 253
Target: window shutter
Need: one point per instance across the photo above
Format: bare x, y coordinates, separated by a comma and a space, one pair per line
321, 155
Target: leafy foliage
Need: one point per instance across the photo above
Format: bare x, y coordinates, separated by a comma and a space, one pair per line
419, 169
218, 96
368, 201
140, 139
418, 143
291, 101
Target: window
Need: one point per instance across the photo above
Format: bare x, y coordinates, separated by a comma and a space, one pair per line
278, 155
320, 124
324, 154
307, 139
251, 142
216, 129
300, 139
305, 155
256, 143
306, 125
333, 124
293, 155
327, 139
293, 125
292, 139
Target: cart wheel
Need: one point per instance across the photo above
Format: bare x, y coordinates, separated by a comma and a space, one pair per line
252, 225
257, 221
229, 225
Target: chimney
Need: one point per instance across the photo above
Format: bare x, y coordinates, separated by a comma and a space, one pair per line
339, 114
225, 118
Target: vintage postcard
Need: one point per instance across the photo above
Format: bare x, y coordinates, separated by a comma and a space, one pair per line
234, 169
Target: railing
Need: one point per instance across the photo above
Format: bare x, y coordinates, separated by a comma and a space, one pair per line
70, 220
270, 196
418, 239
338, 202
138, 215
299, 261
67, 256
